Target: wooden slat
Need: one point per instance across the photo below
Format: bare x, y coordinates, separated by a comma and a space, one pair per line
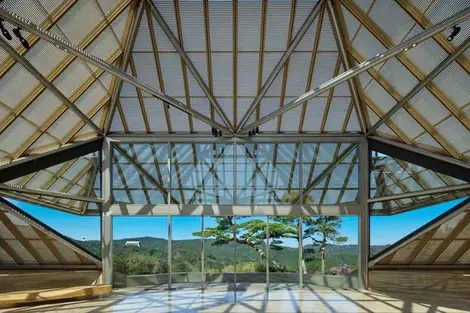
19, 236
48, 242
312, 66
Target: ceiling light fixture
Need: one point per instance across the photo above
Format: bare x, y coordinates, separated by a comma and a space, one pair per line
455, 31
5, 32
24, 42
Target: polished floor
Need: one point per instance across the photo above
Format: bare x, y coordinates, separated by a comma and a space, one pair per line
285, 301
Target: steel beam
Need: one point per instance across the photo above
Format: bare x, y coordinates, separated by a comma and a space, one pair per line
17, 20
360, 68
48, 193
184, 56
341, 41
421, 193
443, 65
41, 161
129, 45
280, 64
265, 137
30, 68
431, 160
123, 209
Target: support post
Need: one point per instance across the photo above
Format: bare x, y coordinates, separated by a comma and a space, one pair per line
106, 218
364, 218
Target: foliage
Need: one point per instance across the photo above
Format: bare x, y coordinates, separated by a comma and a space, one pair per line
323, 231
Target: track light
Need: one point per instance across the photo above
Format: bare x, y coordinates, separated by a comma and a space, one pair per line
253, 132
24, 42
217, 133
5, 32
455, 31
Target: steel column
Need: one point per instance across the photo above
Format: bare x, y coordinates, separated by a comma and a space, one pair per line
277, 69
443, 65
364, 218
111, 69
106, 218
364, 66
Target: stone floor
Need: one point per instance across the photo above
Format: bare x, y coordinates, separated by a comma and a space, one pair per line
250, 300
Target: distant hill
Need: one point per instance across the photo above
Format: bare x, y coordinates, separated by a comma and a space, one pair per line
187, 254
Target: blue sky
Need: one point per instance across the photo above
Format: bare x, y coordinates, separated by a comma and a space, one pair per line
384, 229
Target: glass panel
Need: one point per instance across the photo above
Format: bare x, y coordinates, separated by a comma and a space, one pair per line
85, 231
140, 251
251, 252
219, 252
140, 173
268, 173
284, 252
391, 176
320, 186
186, 249
202, 173
336, 266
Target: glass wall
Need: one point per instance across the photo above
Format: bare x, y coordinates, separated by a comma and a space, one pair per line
251, 256
242, 173
235, 252
186, 252
140, 251
219, 252
330, 251
202, 173
284, 234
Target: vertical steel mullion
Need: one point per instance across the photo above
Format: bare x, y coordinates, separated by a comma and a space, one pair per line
168, 165
203, 275
301, 170
235, 269
301, 245
301, 277
169, 252
235, 176
267, 253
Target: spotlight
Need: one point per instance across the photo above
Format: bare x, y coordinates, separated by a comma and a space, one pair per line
5, 32
216, 132
455, 32
24, 42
